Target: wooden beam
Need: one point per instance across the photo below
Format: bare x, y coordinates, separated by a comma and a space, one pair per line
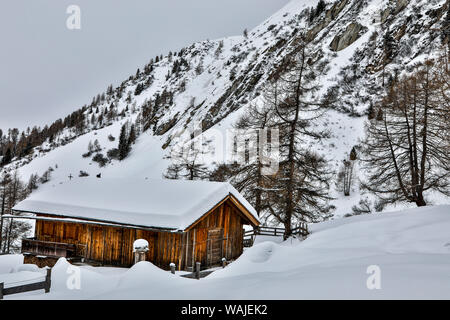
236, 202
89, 222
204, 216
244, 210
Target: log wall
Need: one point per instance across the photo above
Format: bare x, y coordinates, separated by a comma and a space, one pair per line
108, 245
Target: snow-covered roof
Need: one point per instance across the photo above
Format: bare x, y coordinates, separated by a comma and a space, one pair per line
169, 204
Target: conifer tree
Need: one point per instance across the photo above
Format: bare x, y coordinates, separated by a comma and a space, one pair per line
7, 157
371, 112
32, 183
353, 154
5, 180
299, 191
12, 191
131, 136
124, 147
248, 175
187, 162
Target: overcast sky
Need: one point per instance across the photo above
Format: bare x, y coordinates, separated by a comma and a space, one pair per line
47, 70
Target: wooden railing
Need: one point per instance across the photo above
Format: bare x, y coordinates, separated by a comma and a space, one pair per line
42, 285
249, 236
48, 249
301, 230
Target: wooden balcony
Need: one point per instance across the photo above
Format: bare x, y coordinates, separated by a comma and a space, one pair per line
48, 249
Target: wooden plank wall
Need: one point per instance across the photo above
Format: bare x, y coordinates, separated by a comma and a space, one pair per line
114, 245
229, 218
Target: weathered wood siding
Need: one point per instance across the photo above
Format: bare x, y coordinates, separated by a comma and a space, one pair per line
226, 217
114, 245
101, 244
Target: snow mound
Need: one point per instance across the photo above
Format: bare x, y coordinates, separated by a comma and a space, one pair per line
261, 239
247, 263
410, 247
73, 282
142, 272
10, 261
146, 281
26, 267
59, 275
260, 253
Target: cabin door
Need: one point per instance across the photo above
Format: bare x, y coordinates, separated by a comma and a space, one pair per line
214, 253
97, 244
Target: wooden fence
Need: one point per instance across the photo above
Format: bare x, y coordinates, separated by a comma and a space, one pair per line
43, 285
249, 236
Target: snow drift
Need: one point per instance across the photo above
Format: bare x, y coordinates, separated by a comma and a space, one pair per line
410, 247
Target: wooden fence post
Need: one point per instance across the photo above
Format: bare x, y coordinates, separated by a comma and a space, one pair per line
197, 270
172, 268
2, 285
48, 280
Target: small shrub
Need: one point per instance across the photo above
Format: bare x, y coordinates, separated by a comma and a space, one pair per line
113, 153
83, 174
100, 159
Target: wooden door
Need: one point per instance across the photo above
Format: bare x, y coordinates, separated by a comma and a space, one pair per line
97, 244
214, 252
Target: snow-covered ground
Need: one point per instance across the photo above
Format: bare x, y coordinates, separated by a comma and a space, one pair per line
411, 248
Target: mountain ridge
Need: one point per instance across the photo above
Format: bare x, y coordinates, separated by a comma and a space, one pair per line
213, 82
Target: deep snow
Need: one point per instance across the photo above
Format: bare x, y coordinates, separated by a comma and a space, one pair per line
411, 248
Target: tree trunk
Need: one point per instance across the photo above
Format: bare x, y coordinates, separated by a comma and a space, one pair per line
287, 230
420, 202
1, 221
8, 240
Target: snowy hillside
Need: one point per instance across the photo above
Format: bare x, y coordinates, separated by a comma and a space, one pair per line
213, 82
410, 249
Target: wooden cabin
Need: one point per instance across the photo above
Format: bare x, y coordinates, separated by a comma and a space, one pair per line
97, 221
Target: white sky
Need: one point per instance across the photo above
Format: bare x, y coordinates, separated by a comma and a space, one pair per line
48, 71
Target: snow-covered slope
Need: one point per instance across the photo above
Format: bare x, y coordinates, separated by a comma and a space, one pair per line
409, 250
213, 82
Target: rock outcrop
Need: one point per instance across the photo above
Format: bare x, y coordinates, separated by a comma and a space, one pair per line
350, 35
330, 15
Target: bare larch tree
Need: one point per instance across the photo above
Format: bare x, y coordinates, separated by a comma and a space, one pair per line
407, 147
